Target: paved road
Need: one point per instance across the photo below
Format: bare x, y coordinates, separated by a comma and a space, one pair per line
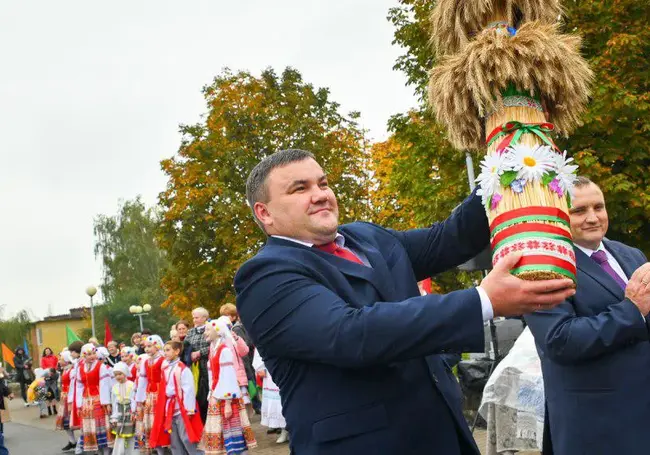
27, 434
22, 439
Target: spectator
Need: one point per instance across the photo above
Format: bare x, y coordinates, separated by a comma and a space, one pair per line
23, 372
199, 352
182, 327
94, 341
136, 340
48, 360
113, 354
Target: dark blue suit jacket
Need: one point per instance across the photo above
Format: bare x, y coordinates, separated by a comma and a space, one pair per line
596, 363
352, 347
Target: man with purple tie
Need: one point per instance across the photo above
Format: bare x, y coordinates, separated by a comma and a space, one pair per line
595, 348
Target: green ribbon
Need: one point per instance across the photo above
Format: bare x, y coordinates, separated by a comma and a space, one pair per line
514, 130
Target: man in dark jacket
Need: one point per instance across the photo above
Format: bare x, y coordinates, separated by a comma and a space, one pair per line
23, 366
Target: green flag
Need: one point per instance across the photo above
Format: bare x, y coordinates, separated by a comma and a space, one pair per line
71, 335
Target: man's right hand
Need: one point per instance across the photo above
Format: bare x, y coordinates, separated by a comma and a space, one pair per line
196, 355
638, 289
512, 296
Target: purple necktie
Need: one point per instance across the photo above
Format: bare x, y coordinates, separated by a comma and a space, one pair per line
601, 258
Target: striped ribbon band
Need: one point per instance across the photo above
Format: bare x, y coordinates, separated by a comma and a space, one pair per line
533, 214
524, 230
534, 263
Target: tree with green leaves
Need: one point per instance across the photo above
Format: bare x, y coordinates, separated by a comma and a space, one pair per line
15, 330
133, 266
207, 228
613, 146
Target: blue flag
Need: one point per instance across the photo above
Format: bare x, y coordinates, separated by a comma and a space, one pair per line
25, 347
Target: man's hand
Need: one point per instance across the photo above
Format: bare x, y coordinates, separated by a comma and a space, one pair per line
512, 296
11, 396
196, 355
638, 289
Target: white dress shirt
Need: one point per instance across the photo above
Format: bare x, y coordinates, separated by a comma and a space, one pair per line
486, 305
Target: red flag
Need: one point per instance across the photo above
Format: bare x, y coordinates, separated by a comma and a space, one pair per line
425, 285
108, 336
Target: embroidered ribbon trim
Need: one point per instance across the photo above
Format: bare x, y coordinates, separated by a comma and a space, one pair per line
514, 130
529, 229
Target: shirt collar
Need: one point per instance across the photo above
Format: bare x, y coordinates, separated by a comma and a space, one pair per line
340, 240
589, 251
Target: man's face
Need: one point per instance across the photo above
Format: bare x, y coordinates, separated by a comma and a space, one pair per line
301, 204
199, 319
588, 215
112, 349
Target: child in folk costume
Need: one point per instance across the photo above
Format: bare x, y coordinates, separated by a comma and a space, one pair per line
37, 391
271, 404
75, 393
128, 355
147, 393
176, 424
96, 381
227, 428
63, 416
240, 349
124, 406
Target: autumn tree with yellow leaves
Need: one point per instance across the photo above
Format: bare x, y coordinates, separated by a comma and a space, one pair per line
207, 228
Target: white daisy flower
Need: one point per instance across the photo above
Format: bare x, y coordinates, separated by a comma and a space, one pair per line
531, 163
492, 167
566, 172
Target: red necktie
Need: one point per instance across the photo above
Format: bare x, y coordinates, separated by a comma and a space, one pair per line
333, 248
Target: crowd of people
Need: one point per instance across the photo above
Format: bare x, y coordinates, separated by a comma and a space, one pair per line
192, 392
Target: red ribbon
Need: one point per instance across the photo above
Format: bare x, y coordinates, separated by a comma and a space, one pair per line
528, 211
547, 260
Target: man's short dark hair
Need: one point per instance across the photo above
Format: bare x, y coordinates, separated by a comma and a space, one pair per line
146, 332
75, 346
582, 181
256, 189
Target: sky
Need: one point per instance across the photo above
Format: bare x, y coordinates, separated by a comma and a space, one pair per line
92, 93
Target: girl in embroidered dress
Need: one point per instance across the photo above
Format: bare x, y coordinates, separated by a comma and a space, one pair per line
271, 404
75, 394
227, 428
240, 349
123, 403
176, 424
63, 416
147, 393
95, 380
128, 356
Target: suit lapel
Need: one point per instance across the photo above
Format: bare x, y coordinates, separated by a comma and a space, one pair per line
591, 268
378, 274
627, 262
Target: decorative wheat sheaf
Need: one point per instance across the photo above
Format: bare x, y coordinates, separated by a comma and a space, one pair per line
508, 80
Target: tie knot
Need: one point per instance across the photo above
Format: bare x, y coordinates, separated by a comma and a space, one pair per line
330, 248
599, 256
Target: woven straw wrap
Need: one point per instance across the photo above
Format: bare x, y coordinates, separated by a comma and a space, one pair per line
502, 87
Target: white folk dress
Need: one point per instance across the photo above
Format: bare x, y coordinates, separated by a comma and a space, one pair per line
271, 403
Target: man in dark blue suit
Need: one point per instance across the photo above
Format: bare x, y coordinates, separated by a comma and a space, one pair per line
338, 318
594, 347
